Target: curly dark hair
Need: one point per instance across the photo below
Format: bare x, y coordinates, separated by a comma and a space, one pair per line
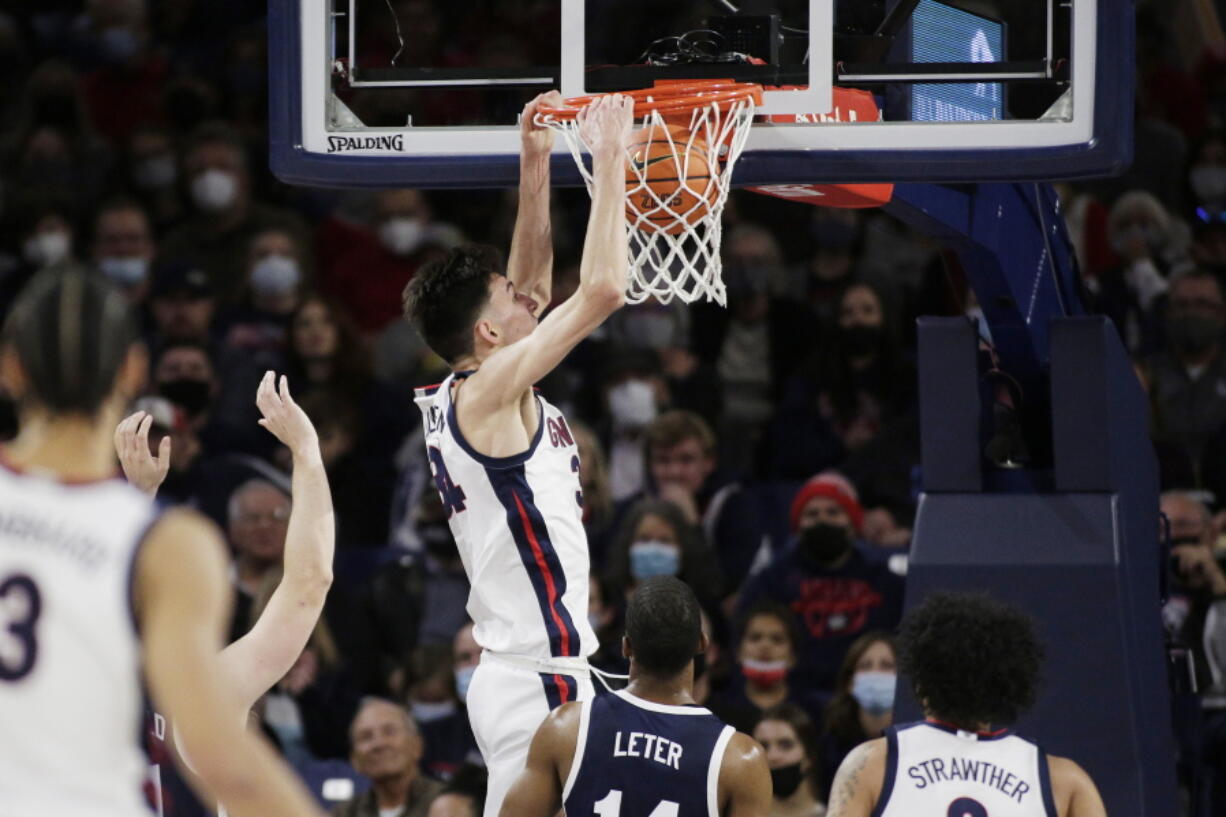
663, 626
971, 660
447, 294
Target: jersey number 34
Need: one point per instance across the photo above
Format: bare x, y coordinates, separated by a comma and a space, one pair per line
451, 494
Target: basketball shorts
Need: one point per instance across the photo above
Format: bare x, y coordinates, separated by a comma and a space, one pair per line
508, 698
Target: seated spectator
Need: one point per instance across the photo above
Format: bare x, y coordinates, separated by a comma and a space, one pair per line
594, 483
606, 620
1195, 611
466, 655
125, 87
830, 496
183, 303
153, 173
258, 515
835, 591
44, 235
429, 689
681, 466
310, 708
464, 794
633, 393
857, 383
863, 706
766, 655
272, 290
226, 218
123, 246
655, 539
1188, 380
386, 747
787, 735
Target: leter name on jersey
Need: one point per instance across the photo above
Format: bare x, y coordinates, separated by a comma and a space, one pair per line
653, 747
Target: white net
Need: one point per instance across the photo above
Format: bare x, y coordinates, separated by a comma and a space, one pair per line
678, 174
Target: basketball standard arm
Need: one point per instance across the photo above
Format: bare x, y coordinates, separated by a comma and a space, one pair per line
182, 599
537, 792
508, 373
530, 265
265, 654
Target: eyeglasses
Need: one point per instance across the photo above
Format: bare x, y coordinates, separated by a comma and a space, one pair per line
278, 515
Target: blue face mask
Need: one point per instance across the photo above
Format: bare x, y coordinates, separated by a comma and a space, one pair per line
654, 558
464, 678
874, 691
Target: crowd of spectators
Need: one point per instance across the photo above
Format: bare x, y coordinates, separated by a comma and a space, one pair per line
767, 454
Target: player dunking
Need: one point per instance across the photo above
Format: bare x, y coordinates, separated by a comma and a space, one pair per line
504, 460
96, 585
648, 750
974, 665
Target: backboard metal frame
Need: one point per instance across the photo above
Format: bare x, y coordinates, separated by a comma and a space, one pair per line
1073, 145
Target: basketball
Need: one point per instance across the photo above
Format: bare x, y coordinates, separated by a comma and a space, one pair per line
669, 183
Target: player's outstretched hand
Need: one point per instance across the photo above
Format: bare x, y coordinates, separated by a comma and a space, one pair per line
605, 124
537, 139
285, 418
141, 468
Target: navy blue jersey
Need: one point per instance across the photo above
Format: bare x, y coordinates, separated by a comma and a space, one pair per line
635, 758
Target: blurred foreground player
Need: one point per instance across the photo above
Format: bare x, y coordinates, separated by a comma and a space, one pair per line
974, 666
648, 749
504, 460
97, 586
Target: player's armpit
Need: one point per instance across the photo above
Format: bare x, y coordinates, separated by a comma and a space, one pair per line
857, 785
507, 373
744, 779
182, 600
1073, 789
537, 792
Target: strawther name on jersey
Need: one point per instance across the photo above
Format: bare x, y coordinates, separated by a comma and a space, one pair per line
960, 769
17, 528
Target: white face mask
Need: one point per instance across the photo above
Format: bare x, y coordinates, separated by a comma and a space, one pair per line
275, 275
632, 404
45, 249
127, 272
214, 190
402, 236
1208, 182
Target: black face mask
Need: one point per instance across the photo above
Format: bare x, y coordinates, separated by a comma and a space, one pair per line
861, 340
786, 780
824, 543
1193, 334
187, 393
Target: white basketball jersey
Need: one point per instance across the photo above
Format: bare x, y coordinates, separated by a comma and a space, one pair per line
936, 769
518, 524
70, 683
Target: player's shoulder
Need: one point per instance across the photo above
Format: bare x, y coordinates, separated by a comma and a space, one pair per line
743, 759
180, 539
1066, 774
858, 783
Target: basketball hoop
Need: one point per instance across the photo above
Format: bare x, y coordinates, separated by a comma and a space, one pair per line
678, 174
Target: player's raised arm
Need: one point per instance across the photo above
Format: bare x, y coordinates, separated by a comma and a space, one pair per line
510, 370
537, 792
142, 469
744, 779
530, 264
181, 599
260, 658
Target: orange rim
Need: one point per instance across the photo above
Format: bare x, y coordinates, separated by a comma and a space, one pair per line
668, 98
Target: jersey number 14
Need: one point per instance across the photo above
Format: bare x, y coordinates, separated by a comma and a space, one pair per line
611, 806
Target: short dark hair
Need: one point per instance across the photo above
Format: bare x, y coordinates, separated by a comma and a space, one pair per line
663, 625
675, 427
971, 660
71, 330
447, 294
769, 608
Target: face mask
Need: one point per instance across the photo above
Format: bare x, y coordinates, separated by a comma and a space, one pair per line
155, 172
786, 780
824, 543
45, 249
127, 272
214, 190
861, 340
189, 394
117, 44
275, 275
402, 236
764, 673
430, 712
632, 404
463, 678
652, 558
874, 691
1208, 182
1193, 334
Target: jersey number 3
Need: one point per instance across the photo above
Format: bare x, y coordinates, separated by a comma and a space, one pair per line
966, 807
20, 606
451, 494
611, 806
